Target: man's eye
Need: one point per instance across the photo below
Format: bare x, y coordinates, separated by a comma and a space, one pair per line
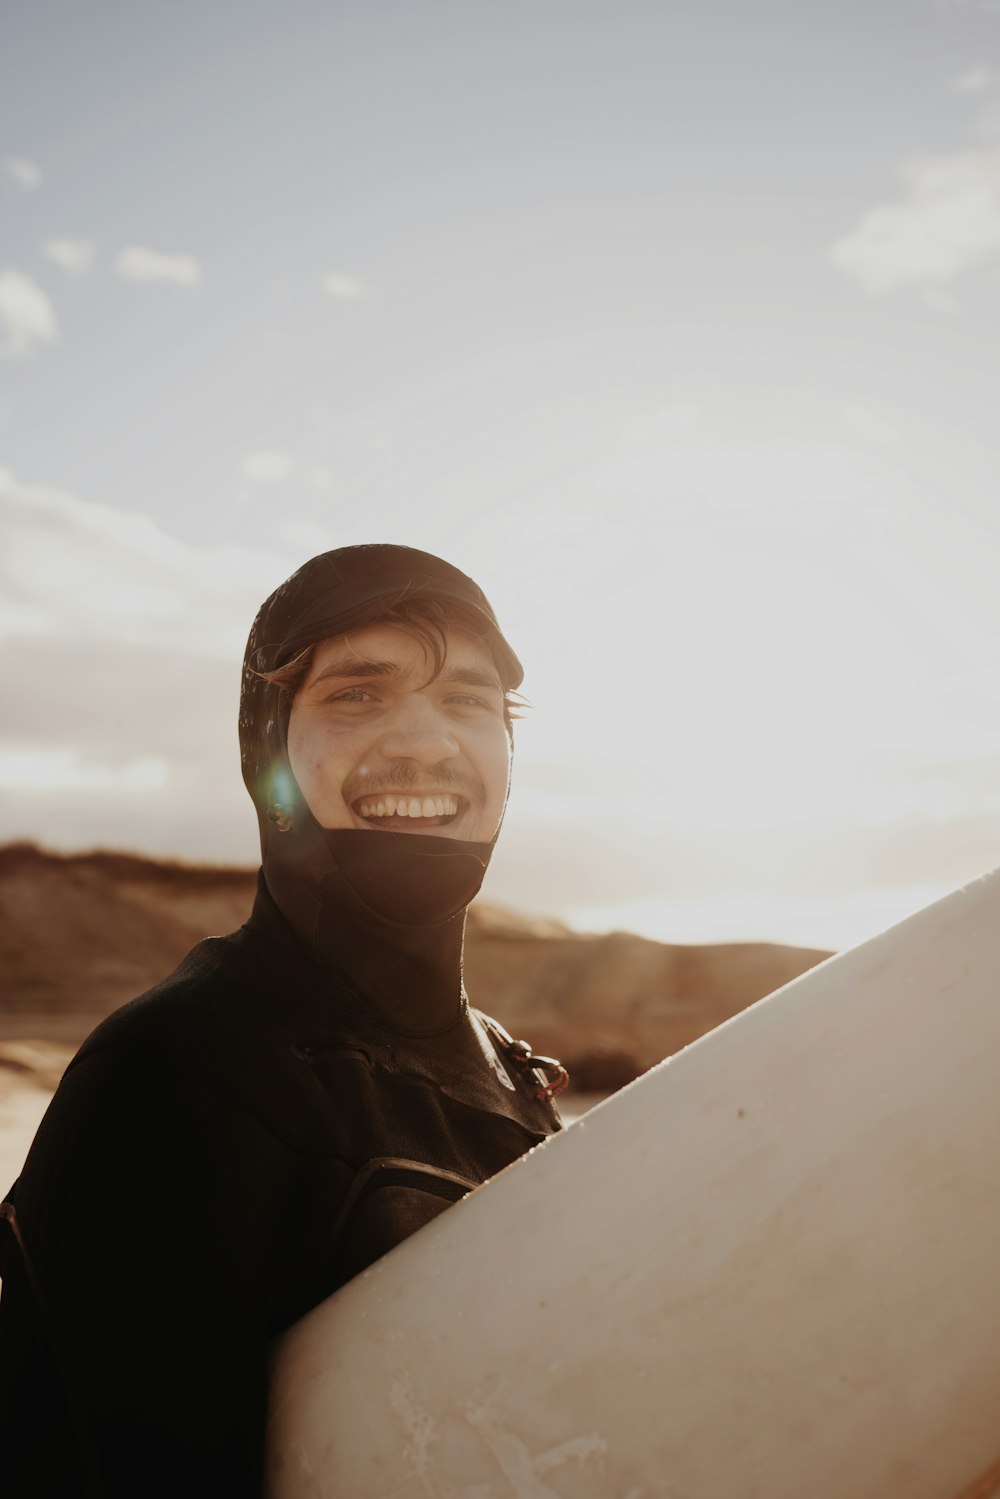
468, 700
351, 695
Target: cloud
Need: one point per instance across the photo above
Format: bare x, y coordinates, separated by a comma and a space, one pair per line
122, 650
27, 317
946, 224
24, 172
344, 288
272, 467
136, 263
667, 421
973, 80
74, 256
61, 769
319, 478
268, 467
73, 570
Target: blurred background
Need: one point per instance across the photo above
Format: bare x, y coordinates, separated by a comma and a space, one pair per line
674, 324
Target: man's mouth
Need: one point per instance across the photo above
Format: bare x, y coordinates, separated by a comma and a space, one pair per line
407, 813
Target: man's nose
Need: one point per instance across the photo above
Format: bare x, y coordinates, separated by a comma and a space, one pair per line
417, 730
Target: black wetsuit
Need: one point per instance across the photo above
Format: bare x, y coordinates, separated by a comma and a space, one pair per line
290, 1104
222, 1154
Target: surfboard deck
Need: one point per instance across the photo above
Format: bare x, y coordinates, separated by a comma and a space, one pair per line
769, 1267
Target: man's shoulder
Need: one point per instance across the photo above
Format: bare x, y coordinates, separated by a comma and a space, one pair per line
219, 991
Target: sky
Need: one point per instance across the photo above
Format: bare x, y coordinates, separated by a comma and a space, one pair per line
674, 324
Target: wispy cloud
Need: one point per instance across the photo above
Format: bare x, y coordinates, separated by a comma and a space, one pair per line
274, 467
137, 263
973, 80
946, 224
268, 467
74, 256
27, 317
61, 769
22, 170
75, 570
124, 648
344, 288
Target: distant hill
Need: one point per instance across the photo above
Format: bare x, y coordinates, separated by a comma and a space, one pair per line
80, 934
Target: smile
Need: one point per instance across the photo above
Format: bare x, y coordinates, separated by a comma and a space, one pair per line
409, 812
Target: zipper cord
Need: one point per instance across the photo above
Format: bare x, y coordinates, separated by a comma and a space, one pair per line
521, 1054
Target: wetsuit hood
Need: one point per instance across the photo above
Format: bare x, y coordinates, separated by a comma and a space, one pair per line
341, 888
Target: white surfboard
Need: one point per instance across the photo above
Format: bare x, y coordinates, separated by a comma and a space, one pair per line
768, 1269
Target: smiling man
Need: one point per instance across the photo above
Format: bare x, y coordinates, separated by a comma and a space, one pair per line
376, 740
299, 1096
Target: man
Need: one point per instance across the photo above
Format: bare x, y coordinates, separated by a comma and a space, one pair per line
300, 1096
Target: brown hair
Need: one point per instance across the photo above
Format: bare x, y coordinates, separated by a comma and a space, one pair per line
427, 620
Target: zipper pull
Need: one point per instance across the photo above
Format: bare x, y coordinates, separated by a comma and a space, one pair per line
522, 1055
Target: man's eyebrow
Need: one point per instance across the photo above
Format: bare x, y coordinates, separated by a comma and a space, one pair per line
356, 666
363, 667
472, 676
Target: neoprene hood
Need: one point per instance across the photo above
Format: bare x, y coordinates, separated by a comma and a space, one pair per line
311, 871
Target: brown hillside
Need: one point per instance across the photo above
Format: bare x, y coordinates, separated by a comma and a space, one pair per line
83, 933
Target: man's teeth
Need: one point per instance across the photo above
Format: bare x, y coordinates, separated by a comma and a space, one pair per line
410, 806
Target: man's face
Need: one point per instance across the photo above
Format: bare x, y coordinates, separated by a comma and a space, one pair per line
374, 743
